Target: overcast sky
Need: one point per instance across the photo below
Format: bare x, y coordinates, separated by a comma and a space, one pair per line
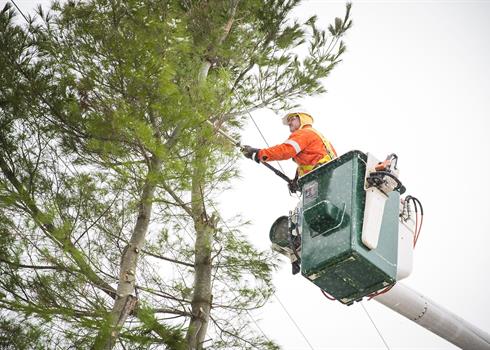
415, 81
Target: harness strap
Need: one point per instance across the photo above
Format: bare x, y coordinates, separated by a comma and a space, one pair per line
303, 169
328, 146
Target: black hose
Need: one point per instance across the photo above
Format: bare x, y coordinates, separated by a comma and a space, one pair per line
421, 208
416, 203
395, 157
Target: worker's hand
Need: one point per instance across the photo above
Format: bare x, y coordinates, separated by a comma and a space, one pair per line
293, 186
250, 152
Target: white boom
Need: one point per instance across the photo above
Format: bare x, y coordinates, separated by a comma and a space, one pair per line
435, 318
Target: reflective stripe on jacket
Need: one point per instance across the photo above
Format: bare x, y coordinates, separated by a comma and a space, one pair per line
306, 146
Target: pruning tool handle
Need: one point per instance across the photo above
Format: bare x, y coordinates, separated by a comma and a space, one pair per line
237, 144
278, 172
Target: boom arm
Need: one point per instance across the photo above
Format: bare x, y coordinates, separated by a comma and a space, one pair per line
433, 317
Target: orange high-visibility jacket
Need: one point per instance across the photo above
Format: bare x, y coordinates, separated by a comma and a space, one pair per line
306, 146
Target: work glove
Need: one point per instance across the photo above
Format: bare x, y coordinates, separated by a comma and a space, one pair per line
251, 153
296, 267
293, 186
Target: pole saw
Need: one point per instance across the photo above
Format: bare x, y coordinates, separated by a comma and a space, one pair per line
237, 144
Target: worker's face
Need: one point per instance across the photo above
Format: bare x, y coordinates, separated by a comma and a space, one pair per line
294, 124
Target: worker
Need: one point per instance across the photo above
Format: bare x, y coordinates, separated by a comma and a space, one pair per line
306, 146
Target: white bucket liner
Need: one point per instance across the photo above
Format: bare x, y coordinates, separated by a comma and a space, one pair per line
373, 217
373, 210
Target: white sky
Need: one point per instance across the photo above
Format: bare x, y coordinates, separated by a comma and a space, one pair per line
415, 81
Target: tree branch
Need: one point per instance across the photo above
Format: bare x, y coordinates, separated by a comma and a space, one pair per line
36, 267
167, 259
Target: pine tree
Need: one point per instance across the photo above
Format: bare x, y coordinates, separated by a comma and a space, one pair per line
111, 165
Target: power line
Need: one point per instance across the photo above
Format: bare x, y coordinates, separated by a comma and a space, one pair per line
293, 321
275, 295
377, 330
257, 325
260, 132
18, 9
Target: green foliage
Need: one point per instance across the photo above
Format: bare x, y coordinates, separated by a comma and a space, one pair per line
100, 99
171, 336
20, 336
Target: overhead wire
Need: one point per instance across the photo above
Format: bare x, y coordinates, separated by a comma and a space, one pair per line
293, 321
258, 129
374, 324
18, 9
275, 295
372, 295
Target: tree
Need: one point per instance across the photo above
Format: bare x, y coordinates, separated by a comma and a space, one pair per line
111, 163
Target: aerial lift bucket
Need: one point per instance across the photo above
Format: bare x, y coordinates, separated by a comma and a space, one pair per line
338, 254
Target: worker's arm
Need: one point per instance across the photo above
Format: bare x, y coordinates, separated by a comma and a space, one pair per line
279, 152
295, 144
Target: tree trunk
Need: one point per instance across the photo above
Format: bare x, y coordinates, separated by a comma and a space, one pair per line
125, 299
202, 296
205, 228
